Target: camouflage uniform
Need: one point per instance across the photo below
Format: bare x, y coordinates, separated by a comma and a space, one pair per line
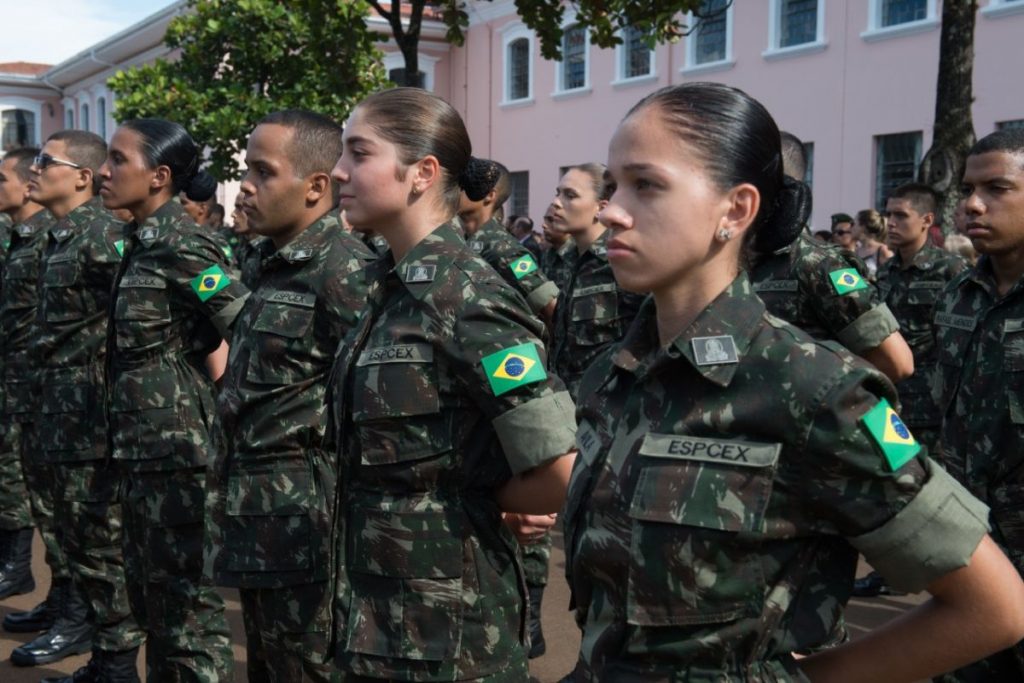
796, 284
980, 393
175, 297
25, 477
377, 244
558, 264
82, 257
702, 507
592, 313
273, 493
440, 396
514, 263
911, 293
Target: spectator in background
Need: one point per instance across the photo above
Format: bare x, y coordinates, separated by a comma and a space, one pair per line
522, 229
842, 232
961, 246
869, 230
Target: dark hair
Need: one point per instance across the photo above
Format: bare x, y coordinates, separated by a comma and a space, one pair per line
922, 197
604, 186
217, 210
24, 158
873, 223
85, 149
483, 175
841, 218
165, 143
421, 124
1009, 140
524, 220
794, 156
738, 142
316, 140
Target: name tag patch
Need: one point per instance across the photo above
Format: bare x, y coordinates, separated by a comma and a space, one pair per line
293, 298
399, 353
588, 442
143, 282
595, 289
776, 286
927, 284
960, 322
729, 451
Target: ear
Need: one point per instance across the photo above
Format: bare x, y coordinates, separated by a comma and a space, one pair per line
490, 197
161, 178
742, 204
929, 220
84, 181
317, 186
425, 173
601, 203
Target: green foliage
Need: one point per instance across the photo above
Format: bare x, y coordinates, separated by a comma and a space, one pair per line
242, 59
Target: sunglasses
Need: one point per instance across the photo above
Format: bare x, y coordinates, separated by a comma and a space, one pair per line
841, 232
45, 161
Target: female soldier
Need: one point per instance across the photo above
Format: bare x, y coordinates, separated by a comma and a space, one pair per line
730, 468
445, 415
175, 298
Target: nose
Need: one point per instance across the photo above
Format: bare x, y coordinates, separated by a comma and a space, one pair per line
104, 171
973, 206
615, 217
338, 172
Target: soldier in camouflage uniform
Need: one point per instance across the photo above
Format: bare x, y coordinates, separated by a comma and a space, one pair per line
272, 495
979, 324
175, 298
445, 415
16, 514
82, 255
728, 462
556, 261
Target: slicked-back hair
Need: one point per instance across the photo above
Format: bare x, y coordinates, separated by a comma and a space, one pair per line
922, 197
23, 158
794, 156
316, 142
85, 149
1009, 140
604, 186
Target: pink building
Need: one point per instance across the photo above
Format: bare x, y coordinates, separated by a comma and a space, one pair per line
854, 79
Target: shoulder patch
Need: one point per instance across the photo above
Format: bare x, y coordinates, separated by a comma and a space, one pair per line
476, 245
148, 235
714, 350
513, 367
892, 436
209, 282
523, 266
847, 280
415, 274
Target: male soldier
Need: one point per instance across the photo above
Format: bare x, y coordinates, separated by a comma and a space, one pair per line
479, 211
15, 513
273, 481
81, 259
825, 291
979, 326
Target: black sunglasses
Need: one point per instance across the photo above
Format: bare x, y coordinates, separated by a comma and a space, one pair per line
841, 232
45, 161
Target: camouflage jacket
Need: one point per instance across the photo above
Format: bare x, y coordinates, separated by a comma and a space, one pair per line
274, 475
440, 395
558, 264
712, 527
514, 263
377, 244
911, 294
83, 252
175, 297
980, 392
592, 313
825, 292
19, 299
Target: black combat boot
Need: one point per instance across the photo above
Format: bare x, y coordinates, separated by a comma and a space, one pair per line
104, 667
40, 617
537, 644
16, 573
71, 633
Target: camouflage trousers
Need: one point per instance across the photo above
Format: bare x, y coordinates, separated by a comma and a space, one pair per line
15, 509
517, 672
536, 558
88, 513
22, 440
188, 640
288, 633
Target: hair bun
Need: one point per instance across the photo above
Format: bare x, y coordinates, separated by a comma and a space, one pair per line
202, 187
479, 177
787, 219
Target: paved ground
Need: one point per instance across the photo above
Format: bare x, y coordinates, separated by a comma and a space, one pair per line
559, 628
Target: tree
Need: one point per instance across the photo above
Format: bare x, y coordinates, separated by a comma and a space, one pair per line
943, 165
659, 20
242, 59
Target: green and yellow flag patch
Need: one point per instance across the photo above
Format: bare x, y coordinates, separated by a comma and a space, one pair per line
523, 266
228, 252
891, 435
513, 367
119, 248
847, 280
209, 282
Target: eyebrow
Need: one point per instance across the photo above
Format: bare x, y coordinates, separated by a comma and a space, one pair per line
356, 138
638, 166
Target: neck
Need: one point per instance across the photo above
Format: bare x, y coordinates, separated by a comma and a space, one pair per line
24, 212
62, 207
589, 236
679, 304
908, 252
149, 206
1008, 268
284, 237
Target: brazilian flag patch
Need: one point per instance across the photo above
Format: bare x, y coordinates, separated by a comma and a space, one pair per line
891, 435
227, 251
523, 266
513, 367
119, 248
209, 282
847, 280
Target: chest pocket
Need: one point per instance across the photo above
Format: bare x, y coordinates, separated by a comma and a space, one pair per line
595, 311
62, 290
142, 311
697, 510
283, 341
22, 268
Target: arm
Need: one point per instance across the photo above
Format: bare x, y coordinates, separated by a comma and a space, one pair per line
982, 599
540, 490
217, 362
893, 357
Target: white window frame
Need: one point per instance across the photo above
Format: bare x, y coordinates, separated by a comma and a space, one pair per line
876, 31
691, 67
33, 106
85, 115
395, 60
621, 59
560, 92
1001, 8
775, 49
510, 33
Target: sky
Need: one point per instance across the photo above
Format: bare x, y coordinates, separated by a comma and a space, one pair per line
50, 31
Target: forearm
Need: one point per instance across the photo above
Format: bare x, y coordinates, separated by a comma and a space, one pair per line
892, 357
538, 491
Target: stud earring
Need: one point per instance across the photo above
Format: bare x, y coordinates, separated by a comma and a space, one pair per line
724, 234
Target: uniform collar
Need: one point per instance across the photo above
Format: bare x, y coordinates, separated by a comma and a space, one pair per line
170, 211
309, 242
733, 315
599, 248
31, 225
425, 262
77, 219
924, 259
982, 276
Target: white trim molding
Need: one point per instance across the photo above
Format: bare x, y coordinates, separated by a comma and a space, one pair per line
35, 107
395, 60
509, 34
776, 50
691, 67
1002, 8
875, 31
621, 57
568, 20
